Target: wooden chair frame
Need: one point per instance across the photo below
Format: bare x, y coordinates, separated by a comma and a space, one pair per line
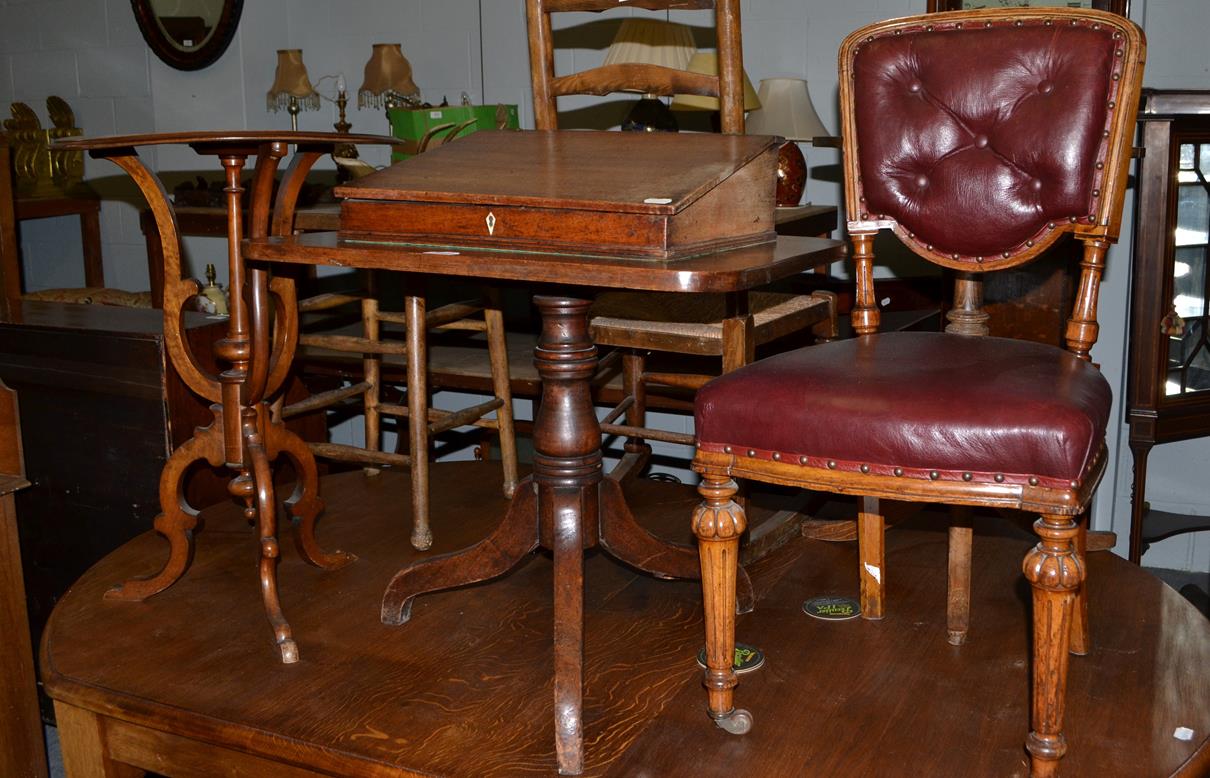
1055, 566
736, 335
424, 422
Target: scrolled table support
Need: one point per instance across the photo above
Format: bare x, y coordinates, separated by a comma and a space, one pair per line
256, 352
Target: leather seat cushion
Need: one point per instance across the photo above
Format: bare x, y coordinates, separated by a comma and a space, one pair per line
927, 404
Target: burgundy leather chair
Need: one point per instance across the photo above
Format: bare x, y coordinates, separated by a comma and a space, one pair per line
978, 138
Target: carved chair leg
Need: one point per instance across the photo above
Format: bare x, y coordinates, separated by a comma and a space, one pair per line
1056, 572
958, 599
498, 356
871, 554
418, 428
1080, 640
718, 523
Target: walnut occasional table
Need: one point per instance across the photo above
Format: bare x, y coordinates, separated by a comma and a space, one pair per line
243, 436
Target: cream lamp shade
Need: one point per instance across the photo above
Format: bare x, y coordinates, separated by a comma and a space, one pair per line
651, 42
786, 110
388, 75
706, 62
291, 88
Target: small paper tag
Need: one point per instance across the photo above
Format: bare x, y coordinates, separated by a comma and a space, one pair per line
444, 253
1183, 733
658, 200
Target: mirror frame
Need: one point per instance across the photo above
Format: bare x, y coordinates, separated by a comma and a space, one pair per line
202, 56
1119, 7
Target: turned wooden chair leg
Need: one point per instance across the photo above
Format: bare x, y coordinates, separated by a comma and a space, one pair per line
718, 523
418, 414
1055, 571
634, 364
497, 348
871, 552
371, 365
1080, 639
958, 596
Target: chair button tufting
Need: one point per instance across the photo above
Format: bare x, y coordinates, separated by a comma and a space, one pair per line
1035, 185
922, 181
980, 141
915, 86
1046, 87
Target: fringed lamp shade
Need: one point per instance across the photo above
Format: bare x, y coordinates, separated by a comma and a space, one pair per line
651, 42
706, 62
291, 82
388, 75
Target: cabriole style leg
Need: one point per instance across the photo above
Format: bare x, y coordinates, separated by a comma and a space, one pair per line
718, 523
1056, 572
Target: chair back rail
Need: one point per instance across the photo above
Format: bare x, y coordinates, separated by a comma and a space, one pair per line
980, 163
649, 79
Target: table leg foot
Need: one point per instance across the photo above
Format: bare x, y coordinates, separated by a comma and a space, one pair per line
624, 538
178, 519
266, 523
495, 555
304, 505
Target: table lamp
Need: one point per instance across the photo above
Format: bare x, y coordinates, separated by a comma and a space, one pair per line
291, 88
388, 78
651, 42
706, 63
786, 110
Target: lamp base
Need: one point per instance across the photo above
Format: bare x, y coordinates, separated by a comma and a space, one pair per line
650, 115
791, 174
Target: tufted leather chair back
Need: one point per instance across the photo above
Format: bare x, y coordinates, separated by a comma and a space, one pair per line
980, 137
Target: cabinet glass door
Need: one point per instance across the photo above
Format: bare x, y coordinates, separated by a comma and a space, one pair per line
1185, 325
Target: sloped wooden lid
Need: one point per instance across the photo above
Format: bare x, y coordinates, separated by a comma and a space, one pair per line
624, 172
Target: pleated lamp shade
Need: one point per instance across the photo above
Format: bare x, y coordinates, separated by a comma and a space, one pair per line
651, 42
706, 62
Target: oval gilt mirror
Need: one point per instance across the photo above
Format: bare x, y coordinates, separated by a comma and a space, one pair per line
187, 34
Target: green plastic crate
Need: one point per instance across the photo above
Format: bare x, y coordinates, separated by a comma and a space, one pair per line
412, 124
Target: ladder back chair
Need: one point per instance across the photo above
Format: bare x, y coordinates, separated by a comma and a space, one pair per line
730, 326
401, 335
976, 162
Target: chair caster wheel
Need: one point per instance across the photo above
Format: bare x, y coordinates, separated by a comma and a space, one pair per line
737, 722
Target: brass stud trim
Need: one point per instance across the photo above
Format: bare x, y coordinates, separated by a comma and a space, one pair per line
1033, 481
802, 460
967, 476
726, 449
776, 457
751, 452
831, 464
865, 469
999, 477
934, 475
898, 471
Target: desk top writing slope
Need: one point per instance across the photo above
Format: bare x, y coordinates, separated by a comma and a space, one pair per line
575, 192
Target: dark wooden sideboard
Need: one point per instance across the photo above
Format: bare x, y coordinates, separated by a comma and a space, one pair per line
101, 409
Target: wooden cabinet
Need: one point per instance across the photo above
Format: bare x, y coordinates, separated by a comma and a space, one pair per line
101, 409
1169, 373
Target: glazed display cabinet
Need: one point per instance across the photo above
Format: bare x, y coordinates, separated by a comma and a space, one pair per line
1169, 390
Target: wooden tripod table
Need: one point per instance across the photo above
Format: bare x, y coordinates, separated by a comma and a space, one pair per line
261, 337
568, 505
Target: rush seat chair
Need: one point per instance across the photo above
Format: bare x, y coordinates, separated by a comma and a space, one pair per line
728, 327
978, 138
